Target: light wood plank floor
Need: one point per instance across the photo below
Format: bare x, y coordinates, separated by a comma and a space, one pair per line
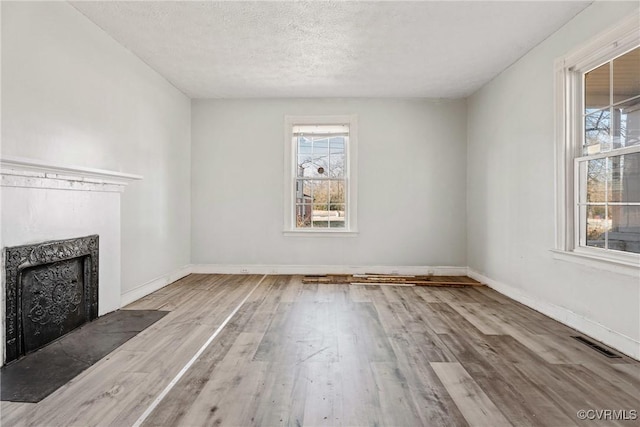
308, 354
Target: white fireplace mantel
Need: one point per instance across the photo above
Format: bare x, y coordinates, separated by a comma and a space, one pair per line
34, 209
30, 173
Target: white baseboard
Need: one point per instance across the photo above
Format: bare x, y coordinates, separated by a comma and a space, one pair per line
153, 285
595, 330
326, 269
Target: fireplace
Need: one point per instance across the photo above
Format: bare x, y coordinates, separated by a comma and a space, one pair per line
51, 289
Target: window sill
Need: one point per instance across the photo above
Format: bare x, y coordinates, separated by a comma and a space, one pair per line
630, 266
320, 233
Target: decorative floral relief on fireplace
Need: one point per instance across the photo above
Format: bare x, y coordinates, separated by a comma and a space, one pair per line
57, 292
51, 288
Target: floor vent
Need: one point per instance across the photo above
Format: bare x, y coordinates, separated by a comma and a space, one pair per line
597, 347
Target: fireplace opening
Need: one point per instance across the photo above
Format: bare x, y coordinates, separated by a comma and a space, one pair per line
51, 289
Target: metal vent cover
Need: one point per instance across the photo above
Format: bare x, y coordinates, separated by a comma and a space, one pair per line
597, 347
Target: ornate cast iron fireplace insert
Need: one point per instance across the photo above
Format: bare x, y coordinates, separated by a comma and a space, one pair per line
51, 289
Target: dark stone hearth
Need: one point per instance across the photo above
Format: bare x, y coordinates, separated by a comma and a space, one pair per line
35, 376
51, 289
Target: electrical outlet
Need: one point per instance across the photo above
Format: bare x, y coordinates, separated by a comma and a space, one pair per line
395, 272
244, 270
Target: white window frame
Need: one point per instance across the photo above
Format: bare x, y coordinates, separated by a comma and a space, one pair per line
351, 175
569, 71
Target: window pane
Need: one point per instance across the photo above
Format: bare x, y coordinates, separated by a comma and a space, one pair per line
337, 157
303, 215
337, 194
321, 146
626, 76
626, 124
625, 178
320, 194
597, 225
337, 216
625, 228
597, 180
336, 166
597, 128
320, 204
336, 222
320, 216
581, 196
304, 145
321, 166
305, 165
307, 190
336, 145
596, 88
303, 191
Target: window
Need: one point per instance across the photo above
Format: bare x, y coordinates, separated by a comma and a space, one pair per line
598, 89
320, 191
608, 169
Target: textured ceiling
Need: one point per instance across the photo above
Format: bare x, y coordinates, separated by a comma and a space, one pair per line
329, 49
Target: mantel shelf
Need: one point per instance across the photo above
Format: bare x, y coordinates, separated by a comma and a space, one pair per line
31, 173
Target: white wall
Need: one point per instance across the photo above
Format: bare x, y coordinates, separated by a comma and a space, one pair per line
72, 95
510, 192
411, 184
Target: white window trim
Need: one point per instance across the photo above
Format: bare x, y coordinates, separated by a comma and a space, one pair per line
351, 227
619, 39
